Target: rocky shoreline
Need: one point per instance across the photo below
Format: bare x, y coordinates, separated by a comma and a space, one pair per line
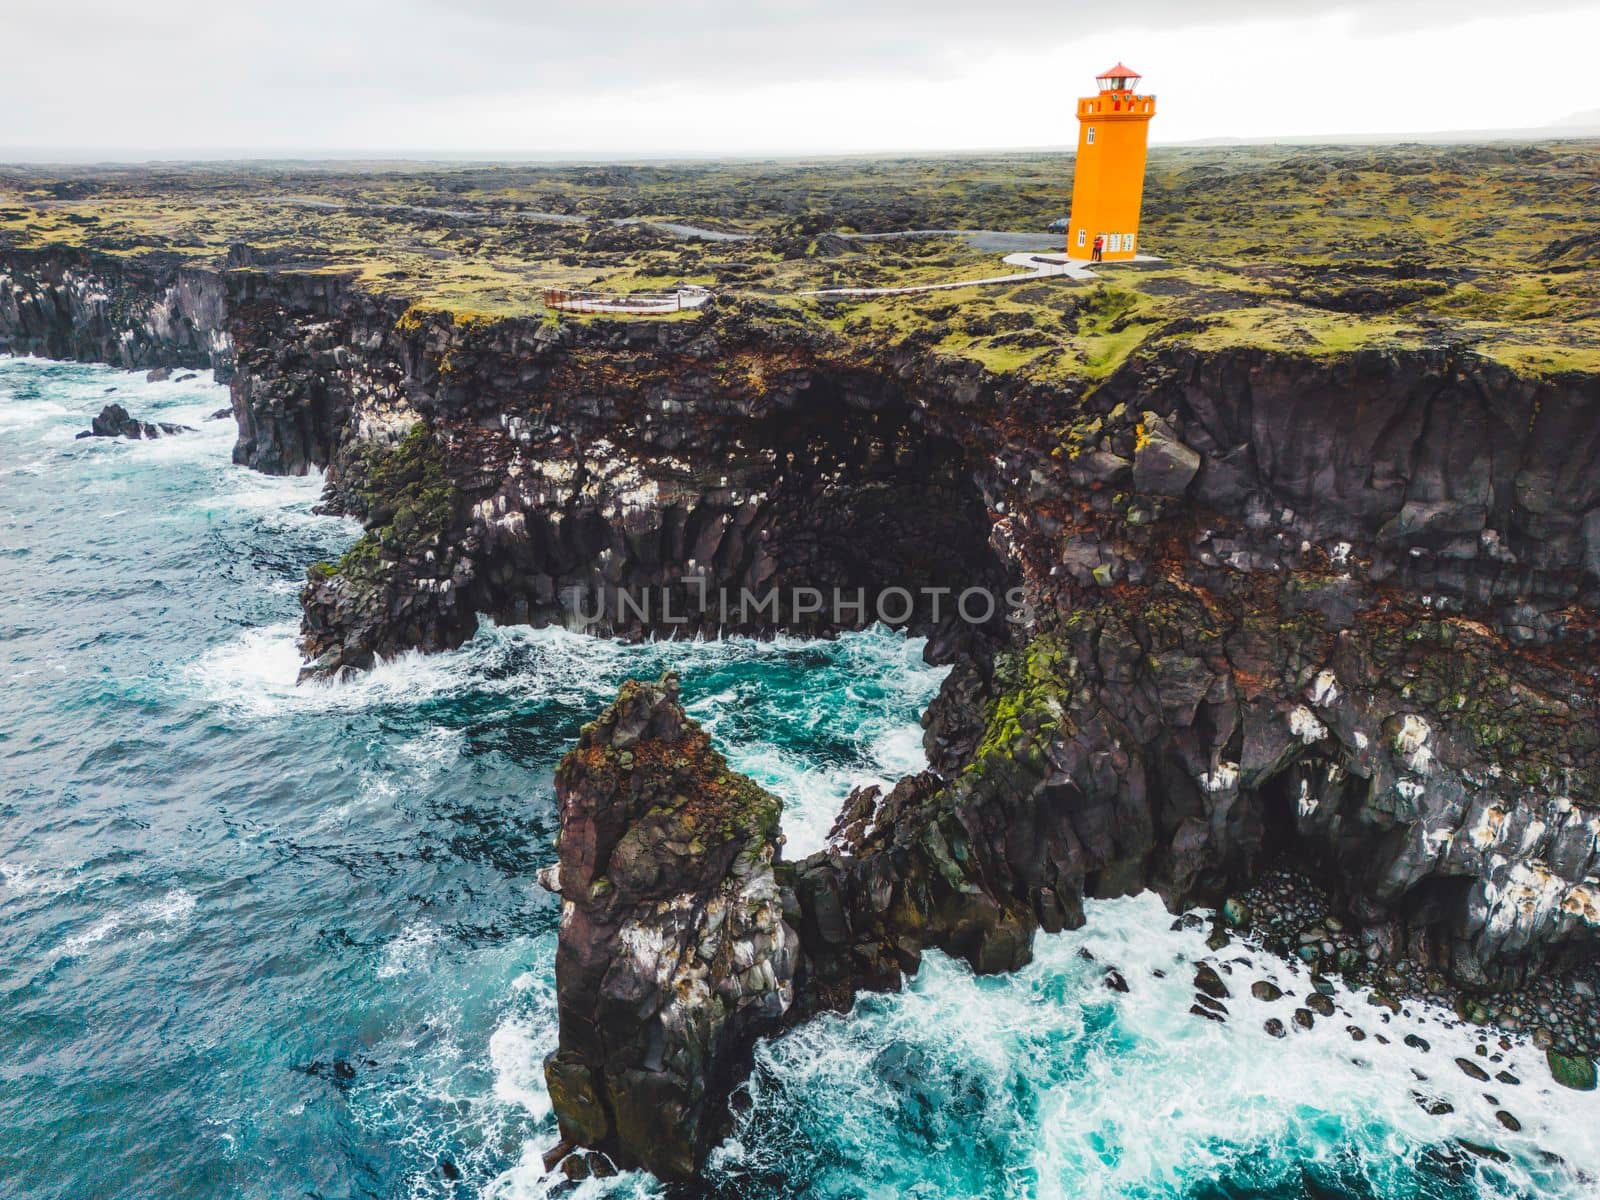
1332, 613
1396, 996
1290, 915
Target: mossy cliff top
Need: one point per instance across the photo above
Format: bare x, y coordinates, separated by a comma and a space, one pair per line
1321, 249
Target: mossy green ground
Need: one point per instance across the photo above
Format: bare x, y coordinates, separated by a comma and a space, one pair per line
1317, 249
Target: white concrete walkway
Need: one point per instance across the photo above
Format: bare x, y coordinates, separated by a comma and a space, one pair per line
1043, 266
1039, 266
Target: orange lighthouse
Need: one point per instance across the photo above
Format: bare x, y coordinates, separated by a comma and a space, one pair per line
1108, 182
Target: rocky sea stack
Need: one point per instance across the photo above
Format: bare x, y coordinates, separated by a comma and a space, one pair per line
674, 951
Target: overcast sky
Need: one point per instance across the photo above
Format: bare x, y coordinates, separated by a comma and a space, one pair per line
124, 78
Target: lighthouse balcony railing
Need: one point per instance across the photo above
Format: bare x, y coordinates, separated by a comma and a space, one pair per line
1134, 104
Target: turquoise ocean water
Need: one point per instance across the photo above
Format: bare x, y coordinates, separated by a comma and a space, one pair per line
260, 940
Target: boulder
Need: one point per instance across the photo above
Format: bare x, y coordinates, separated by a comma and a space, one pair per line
1572, 1071
1472, 1070
115, 421
1209, 983
1162, 464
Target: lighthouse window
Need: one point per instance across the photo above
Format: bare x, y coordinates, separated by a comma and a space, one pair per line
1116, 243
1127, 242
1091, 135
1082, 234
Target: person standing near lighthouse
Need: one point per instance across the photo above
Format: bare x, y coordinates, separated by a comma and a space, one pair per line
1108, 176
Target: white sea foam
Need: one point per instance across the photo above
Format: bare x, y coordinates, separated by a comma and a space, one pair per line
885, 682
469, 1061
517, 1050
410, 952
811, 795
869, 697
207, 443
29, 879
18, 414
375, 790
432, 751
526, 1035
78, 391
1192, 1096
411, 766
156, 917
528, 1180
1132, 1095
254, 674
256, 670
1047, 1083
289, 496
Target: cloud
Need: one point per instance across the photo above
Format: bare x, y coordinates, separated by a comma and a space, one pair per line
195, 73
448, 47
780, 40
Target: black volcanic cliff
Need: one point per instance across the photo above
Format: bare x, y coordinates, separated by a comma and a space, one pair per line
1333, 610
134, 313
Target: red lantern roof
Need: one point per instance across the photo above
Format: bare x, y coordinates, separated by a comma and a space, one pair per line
1119, 72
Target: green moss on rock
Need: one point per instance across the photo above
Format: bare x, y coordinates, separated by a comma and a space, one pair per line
361, 560
1571, 1071
1032, 692
410, 499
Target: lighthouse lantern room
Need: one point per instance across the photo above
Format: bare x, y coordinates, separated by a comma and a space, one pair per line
1108, 180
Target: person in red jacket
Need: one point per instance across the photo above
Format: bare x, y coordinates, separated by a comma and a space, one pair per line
1099, 247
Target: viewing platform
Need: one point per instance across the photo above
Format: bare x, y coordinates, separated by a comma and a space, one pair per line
638, 303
